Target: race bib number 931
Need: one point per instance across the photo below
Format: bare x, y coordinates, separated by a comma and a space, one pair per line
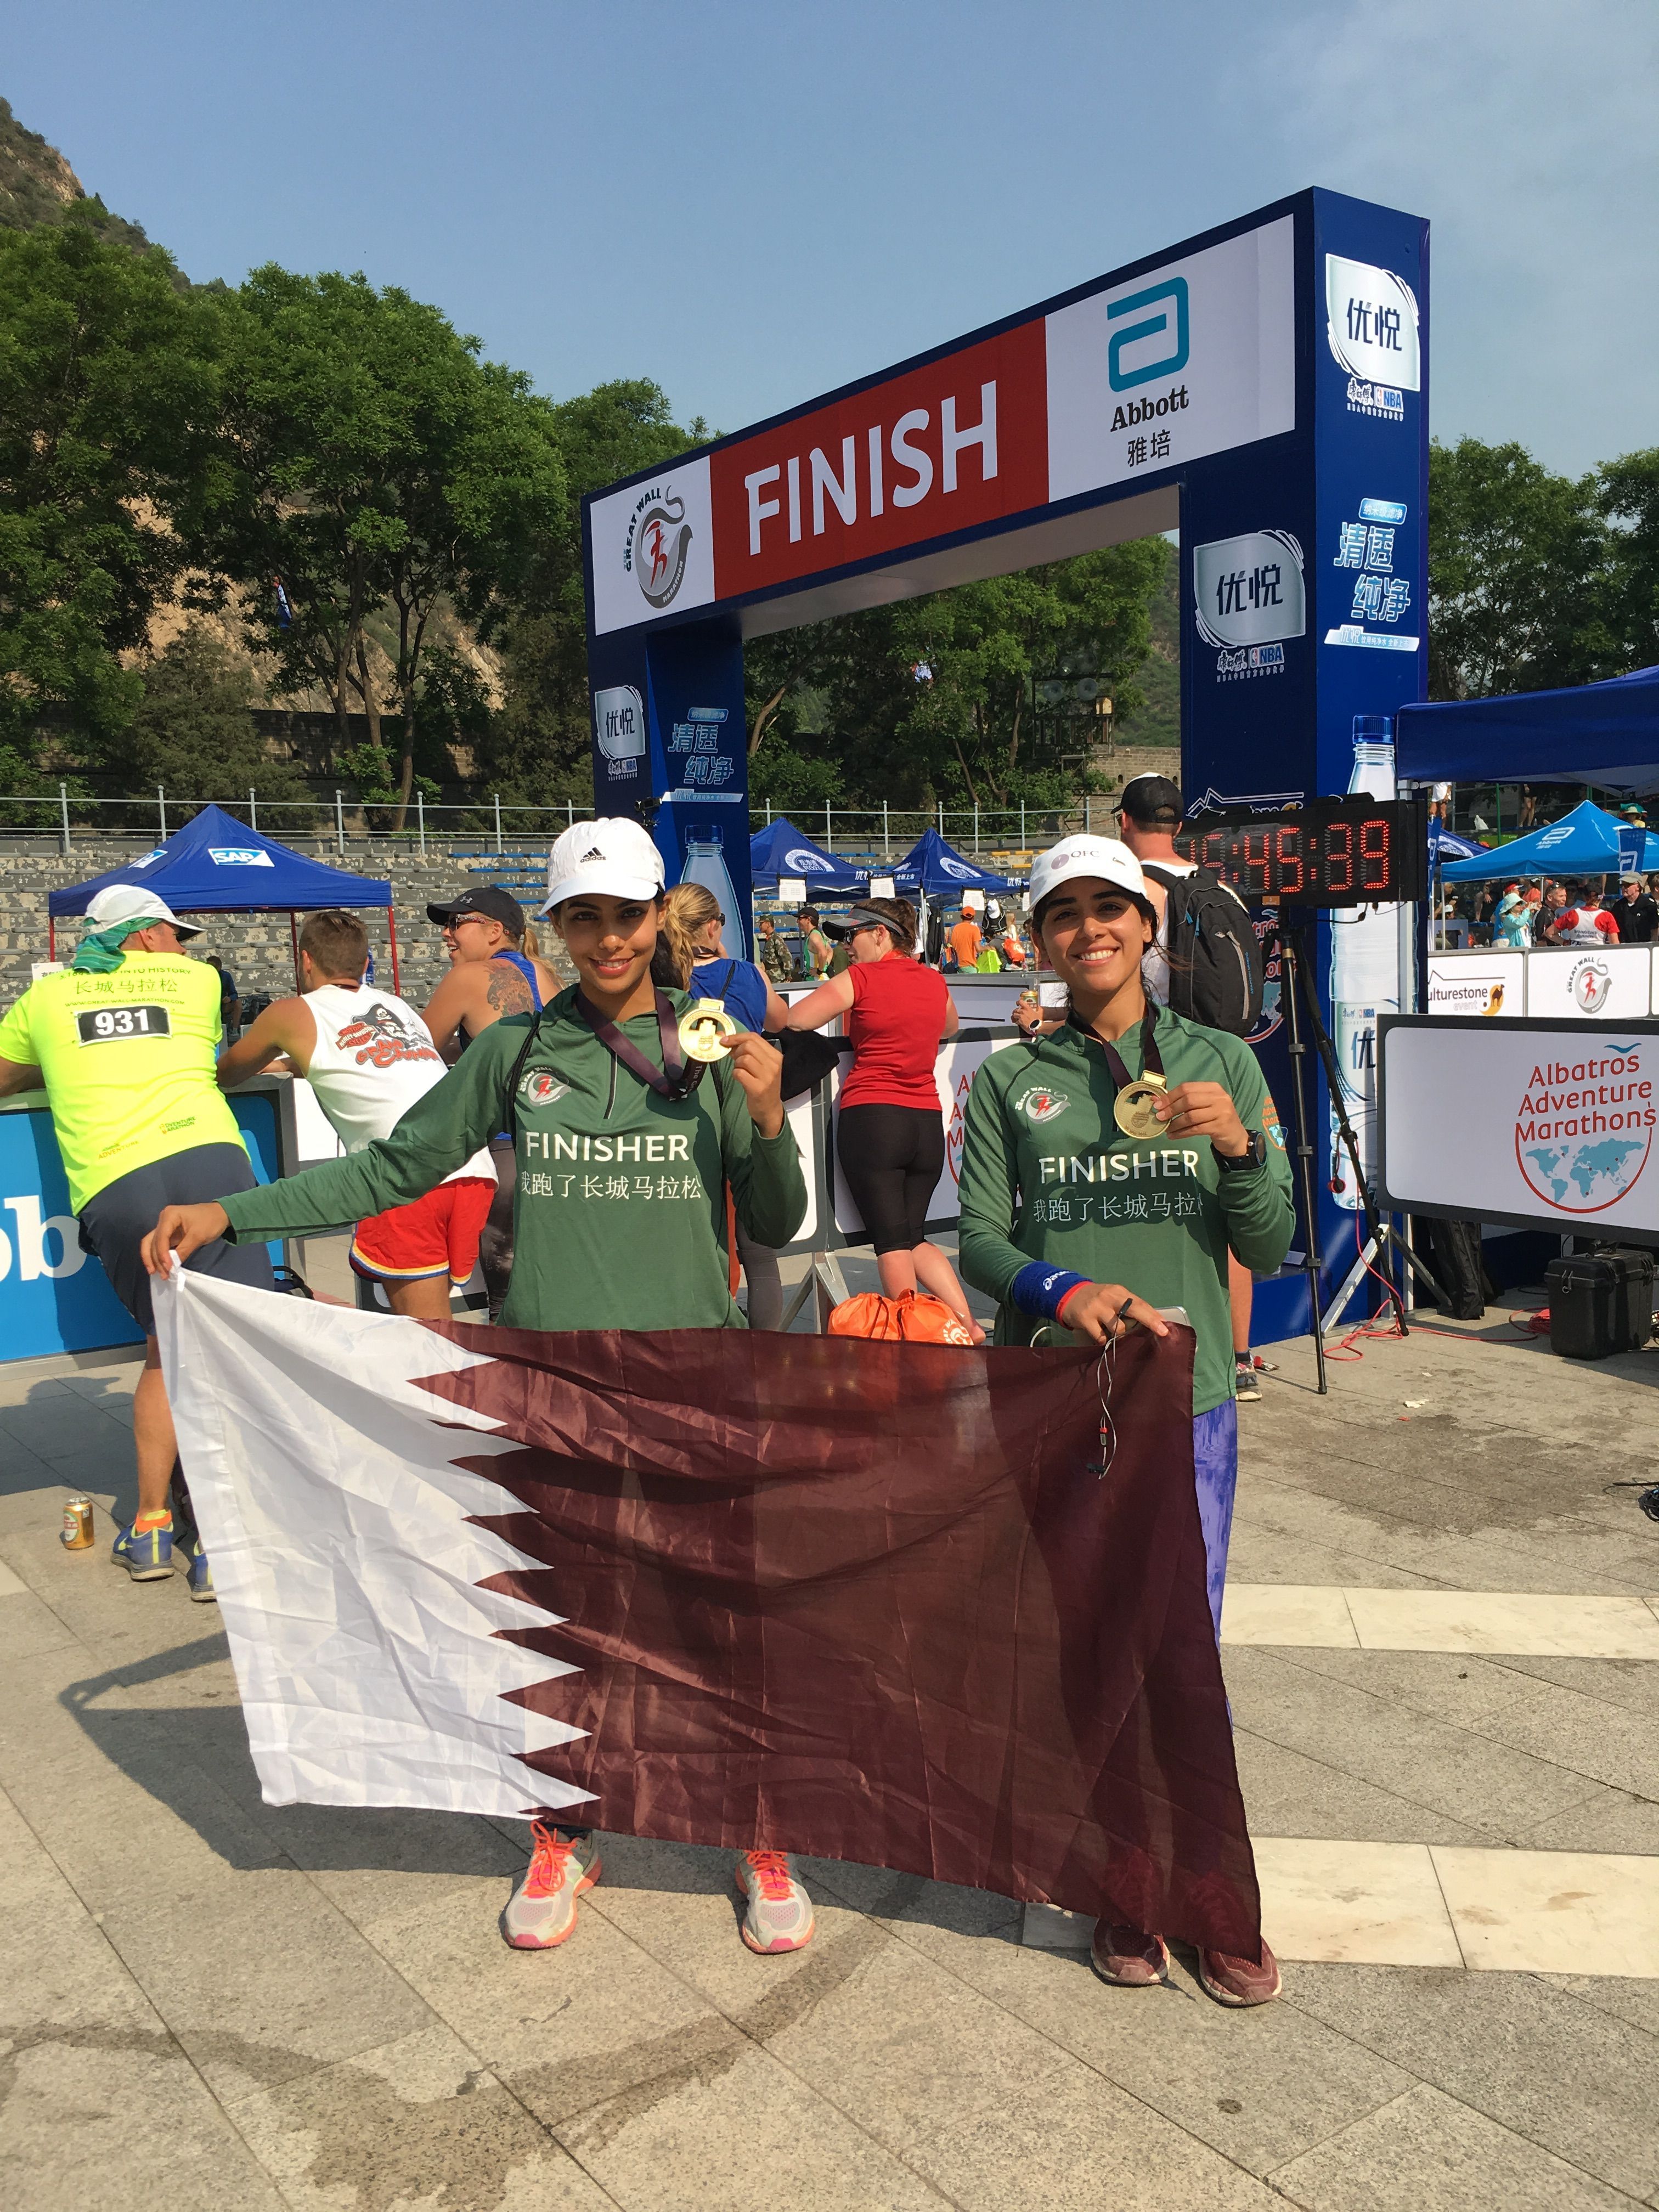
106, 1024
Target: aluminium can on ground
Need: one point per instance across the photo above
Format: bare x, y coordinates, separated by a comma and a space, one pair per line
77, 1524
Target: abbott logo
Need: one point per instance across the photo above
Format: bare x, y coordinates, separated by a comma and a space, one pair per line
30, 1233
1167, 323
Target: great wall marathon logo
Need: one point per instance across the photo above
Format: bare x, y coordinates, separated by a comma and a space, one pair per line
1584, 1129
657, 535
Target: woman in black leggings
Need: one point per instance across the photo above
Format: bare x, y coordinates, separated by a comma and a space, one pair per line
890, 1128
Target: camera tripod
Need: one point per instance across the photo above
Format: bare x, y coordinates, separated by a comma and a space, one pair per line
1297, 984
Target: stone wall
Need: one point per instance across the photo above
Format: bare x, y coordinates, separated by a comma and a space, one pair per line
256, 948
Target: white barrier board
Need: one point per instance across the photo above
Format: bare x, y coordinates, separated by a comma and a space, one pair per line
1542, 1124
1483, 983
1612, 983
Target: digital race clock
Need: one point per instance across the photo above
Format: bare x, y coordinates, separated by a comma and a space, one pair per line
1327, 852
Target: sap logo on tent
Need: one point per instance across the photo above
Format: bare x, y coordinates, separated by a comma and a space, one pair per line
802, 863
240, 856
1370, 323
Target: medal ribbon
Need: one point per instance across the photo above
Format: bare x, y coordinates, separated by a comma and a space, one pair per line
673, 1080
1152, 1060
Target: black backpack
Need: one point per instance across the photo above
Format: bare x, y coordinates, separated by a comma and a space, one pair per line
1216, 968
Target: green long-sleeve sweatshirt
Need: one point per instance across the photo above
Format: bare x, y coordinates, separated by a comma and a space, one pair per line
620, 1214
1047, 1174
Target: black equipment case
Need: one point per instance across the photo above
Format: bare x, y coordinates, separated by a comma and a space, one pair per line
1599, 1303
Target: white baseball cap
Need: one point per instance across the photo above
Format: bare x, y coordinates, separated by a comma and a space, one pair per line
1104, 857
119, 902
611, 858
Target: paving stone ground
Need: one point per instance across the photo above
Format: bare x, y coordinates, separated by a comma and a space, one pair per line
205, 2001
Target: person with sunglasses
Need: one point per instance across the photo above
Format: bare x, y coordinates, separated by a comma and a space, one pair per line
890, 1123
625, 1152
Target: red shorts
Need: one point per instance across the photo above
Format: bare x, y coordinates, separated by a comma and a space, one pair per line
437, 1235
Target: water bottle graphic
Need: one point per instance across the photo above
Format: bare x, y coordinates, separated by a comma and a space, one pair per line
705, 864
1365, 977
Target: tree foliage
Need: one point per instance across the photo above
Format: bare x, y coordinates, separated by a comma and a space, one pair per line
1517, 560
375, 465
193, 731
108, 416
537, 750
936, 698
1627, 494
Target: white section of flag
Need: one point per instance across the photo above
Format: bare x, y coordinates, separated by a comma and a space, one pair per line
337, 1522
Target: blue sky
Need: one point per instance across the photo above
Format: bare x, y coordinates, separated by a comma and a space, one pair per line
753, 203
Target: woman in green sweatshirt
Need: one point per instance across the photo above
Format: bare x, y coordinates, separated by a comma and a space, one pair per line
1106, 1170
624, 1156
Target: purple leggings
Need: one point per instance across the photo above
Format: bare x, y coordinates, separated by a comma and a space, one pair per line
1215, 1477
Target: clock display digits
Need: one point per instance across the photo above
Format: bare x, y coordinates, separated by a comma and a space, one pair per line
1326, 852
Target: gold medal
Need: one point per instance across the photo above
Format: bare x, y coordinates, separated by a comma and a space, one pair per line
704, 1026
1133, 1109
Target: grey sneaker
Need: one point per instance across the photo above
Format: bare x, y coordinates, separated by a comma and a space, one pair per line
1245, 1385
779, 1914
542, 1910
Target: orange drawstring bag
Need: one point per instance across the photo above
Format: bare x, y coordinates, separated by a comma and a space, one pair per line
913, 1317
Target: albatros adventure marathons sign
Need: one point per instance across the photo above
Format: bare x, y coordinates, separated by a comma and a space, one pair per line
1532, 1122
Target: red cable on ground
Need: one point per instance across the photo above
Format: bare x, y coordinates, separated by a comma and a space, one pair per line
1347, 1346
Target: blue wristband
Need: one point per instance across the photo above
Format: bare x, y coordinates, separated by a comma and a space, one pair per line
1040, 1289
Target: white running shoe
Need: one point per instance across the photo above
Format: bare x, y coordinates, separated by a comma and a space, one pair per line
542, 1910
779, 1914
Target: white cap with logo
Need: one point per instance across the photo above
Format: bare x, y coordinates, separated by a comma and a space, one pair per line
1104, 857
611, 858
119, 902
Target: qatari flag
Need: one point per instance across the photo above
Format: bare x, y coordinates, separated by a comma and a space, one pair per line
870, 1601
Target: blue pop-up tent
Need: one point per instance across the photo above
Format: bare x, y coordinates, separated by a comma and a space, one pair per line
217, 865
939, 870
1606, 734
1584, 842
780, 849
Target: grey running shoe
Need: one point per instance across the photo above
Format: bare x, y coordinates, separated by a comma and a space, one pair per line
779, 1914
1244, 1383
542, 1910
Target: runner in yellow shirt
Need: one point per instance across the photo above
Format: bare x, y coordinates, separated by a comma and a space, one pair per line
124, 1043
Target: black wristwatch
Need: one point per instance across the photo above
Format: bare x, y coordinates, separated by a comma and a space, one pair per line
1245, 1162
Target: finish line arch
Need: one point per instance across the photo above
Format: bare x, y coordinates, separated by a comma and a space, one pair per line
1262, 388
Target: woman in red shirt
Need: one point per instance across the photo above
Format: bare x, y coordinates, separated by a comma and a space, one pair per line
890, 1128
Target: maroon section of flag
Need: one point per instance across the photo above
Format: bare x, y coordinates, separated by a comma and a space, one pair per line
877, 1603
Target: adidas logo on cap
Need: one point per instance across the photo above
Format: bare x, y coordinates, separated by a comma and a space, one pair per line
588, 858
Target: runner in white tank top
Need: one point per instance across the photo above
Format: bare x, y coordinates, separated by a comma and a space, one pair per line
369, 1057
373, 1057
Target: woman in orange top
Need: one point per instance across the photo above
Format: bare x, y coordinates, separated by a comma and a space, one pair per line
890, 1127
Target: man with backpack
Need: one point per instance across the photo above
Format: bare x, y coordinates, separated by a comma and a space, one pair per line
1206, 962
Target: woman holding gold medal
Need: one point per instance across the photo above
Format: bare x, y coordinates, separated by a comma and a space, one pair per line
632, 1109
1106, 1172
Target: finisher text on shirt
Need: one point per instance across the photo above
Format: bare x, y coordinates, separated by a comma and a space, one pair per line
1116, 1167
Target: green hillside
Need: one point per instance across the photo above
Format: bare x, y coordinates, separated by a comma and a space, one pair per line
38, 187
